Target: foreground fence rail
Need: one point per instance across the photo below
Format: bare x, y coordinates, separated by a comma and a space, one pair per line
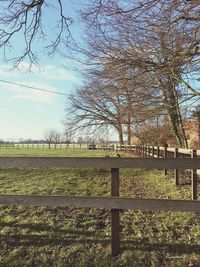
115, 202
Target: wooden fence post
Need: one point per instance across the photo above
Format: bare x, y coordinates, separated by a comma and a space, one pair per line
165, 156
115, 222
176, 174
158, 152
145, 151
194, 177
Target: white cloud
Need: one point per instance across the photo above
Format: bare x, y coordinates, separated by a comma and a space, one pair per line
51, 78
56, 73
50, 72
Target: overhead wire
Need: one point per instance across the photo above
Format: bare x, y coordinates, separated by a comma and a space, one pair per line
35, 88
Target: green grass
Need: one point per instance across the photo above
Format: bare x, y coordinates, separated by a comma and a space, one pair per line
37, 152
81, 237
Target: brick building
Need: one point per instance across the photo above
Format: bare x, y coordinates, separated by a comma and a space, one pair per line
192, 131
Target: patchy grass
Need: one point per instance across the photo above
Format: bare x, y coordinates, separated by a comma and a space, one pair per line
81, 237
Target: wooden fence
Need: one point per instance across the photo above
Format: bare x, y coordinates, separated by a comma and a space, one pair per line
115, 203
57, 146
42, 146
146, 151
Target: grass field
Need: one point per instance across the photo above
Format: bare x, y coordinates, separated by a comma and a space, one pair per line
81, 237
37, 152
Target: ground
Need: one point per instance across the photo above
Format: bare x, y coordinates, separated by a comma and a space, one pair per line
81, 237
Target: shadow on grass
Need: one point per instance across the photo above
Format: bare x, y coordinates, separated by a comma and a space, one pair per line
180, 248
43, 227
44, 240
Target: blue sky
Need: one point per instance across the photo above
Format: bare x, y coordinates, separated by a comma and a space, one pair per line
26, 113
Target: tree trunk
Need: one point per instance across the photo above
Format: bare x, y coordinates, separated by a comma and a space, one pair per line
170, 101
120, 133
129, 120
121, 140
129, 134
170, 98
198, 119
177, 127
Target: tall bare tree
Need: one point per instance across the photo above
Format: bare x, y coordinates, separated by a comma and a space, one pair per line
92, 107
155, 37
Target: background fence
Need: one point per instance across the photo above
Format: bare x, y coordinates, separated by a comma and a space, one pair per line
57, 146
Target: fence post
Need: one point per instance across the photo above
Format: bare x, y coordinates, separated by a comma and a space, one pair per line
115, 224
158, 152
165, 156
153, 152
145, 151
194, 177
176, 176
149, 149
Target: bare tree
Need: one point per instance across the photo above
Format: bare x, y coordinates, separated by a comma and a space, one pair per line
151, 133
56, 138
49, 137
159, 38
68, 137
111, 100
93, 107
25, 19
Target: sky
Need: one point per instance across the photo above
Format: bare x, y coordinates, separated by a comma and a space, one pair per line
27, 113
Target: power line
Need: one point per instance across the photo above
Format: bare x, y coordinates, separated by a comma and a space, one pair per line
35, 88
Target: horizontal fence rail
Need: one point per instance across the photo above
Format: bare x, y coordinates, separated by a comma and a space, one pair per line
118, 203
91, 162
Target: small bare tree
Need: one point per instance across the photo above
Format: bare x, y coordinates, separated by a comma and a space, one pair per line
56, 138
68, 137
49, 137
